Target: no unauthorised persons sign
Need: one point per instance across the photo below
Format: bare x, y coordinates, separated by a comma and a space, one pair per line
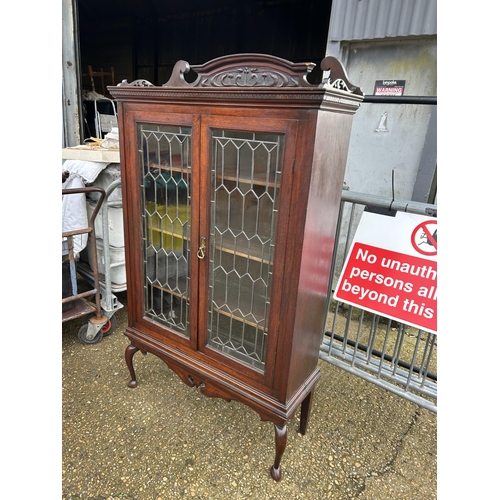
391, 269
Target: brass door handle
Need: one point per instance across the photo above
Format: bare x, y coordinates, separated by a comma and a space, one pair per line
201, 249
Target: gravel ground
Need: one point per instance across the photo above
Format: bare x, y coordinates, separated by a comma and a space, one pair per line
164, 440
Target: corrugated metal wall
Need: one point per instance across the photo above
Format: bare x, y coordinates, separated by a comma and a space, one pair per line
370, 19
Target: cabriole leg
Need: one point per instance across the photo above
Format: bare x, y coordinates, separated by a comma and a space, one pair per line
129, 354
281, 437
305, 408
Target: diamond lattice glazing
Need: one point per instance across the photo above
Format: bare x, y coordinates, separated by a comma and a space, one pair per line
165, 156
246, 170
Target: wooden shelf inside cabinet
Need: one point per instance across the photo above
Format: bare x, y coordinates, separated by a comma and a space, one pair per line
242, 228
240, 304
168, 168
168, 226
264, 179
166, 232
241, 247
174, 288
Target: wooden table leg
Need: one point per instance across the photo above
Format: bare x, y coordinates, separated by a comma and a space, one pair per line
129, 354
305, 409
281, 437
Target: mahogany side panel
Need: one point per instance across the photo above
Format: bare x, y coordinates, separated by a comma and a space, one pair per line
304, 154
328, 168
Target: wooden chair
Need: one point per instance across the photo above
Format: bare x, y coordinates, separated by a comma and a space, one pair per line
101, 74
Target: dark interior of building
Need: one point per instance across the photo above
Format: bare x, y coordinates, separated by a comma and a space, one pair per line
145, 38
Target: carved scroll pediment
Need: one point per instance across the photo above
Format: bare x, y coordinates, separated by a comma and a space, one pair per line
253, 71
242, 70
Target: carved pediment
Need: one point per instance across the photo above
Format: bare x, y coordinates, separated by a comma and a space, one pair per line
253, 71
242, 70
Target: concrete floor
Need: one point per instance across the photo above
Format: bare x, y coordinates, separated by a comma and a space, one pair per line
164, 440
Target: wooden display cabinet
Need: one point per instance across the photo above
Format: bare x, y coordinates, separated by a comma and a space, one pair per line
231, 190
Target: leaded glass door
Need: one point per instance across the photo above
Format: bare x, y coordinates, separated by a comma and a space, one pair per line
244, 199
165, 183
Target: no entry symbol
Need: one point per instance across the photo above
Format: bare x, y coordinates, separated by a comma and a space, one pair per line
424, 238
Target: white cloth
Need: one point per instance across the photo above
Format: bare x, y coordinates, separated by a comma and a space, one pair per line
74, 206
87, 170
74, 212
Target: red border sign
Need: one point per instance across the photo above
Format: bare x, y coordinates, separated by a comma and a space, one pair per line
391, 269
397, 285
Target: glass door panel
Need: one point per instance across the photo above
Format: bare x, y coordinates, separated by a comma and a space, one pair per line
165, 157
245, 179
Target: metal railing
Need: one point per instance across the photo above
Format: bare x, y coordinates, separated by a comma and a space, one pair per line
392, 355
